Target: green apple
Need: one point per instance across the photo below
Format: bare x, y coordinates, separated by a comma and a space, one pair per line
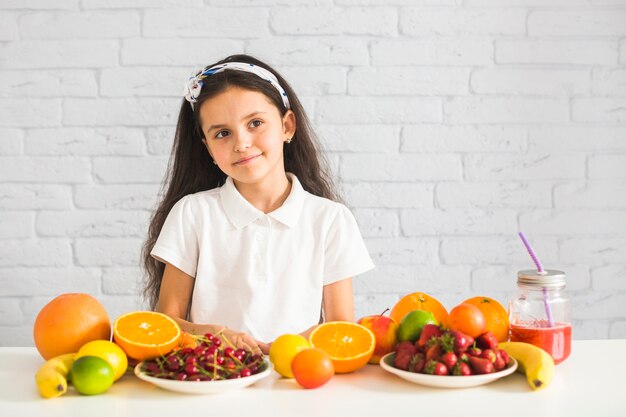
412, 324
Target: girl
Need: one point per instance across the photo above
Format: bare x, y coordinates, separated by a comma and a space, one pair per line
249, 238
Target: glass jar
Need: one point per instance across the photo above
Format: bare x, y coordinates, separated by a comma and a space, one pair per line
540, 314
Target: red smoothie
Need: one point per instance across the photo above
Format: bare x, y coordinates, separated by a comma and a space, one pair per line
556, 340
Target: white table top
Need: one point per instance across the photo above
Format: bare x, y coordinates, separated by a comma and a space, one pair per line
590, 383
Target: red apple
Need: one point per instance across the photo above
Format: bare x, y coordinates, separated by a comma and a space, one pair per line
384, 329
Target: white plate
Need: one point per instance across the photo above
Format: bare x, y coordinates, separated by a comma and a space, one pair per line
445, 381
204, 387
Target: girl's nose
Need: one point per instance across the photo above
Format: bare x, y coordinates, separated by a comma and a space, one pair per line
243, 141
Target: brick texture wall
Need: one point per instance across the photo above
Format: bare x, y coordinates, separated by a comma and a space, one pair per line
451, 125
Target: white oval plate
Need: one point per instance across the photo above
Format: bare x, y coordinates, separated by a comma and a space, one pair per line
204, 387
445, 381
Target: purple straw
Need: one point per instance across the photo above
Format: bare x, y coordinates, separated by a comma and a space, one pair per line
540, 271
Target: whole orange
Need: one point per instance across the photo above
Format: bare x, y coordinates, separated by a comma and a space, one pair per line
312, 367
467, 319
68, 322
418, 301
495, 314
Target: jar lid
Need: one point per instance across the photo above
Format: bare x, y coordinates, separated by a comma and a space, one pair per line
550, 278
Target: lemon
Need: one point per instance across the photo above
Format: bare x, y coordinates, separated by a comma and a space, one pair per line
91, 375
108, 351
283, 350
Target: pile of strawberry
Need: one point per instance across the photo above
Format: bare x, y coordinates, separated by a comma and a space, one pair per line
449, 352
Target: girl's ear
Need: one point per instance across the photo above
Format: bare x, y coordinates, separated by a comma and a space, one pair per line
289, 124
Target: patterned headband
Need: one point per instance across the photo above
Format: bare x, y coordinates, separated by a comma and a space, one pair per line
195, 83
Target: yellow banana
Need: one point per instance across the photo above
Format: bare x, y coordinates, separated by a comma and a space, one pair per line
534, 362
51, 378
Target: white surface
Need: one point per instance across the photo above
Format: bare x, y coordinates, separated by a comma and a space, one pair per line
584, 385
204, 387
449, 381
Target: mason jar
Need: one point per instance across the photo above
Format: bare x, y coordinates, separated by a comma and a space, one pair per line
540, 313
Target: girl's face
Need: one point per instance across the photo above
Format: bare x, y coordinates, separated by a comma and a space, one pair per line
244, 133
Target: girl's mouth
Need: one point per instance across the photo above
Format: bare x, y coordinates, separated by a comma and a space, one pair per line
247, 159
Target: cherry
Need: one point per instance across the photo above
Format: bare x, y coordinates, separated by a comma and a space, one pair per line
191, 369
245, 372
229, 352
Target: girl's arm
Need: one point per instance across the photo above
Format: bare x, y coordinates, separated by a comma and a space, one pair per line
174, 300
338, 303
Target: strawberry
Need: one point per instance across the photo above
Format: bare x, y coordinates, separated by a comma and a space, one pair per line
487, 341
462, 369
404, 352
461, 341
505, 356
474, 351
402, 360
428, 332
405, 346
449, 359
489, 354
417, 363
464, 357
499, 363
434, 351
481, 365
435, 368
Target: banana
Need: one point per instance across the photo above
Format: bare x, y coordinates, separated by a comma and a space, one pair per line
533, 361
51, 378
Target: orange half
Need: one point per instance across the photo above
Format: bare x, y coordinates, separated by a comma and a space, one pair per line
146, 334
350, 345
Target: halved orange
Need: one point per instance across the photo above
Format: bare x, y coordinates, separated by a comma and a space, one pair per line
146, 334
418, 301
349, 345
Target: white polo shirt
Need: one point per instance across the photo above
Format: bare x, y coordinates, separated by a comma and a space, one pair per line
261, 273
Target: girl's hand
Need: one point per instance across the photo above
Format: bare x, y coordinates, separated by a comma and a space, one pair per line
244, 341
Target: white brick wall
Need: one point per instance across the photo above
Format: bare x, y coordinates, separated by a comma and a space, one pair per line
451, 124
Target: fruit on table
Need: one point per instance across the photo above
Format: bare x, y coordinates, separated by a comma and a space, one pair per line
418, 301
350, 345
68, 322
449, 352
412, 324
51, 378
534, 362
146, 334
495, 314
108, 351
91, 375
385, 331
213, 359
467, 319
284, 349
312, 368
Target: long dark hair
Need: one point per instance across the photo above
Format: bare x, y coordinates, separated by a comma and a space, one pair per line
191, 170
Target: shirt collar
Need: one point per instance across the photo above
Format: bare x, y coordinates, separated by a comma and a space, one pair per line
241, 213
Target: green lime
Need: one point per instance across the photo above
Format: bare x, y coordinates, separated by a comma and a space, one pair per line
91, 375
412, 324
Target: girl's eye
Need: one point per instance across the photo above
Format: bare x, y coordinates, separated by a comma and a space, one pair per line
256, 123
219, 134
